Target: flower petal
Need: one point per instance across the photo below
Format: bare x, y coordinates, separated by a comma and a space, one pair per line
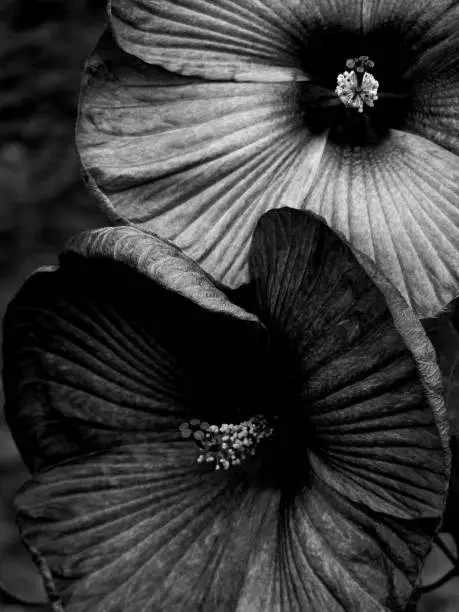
258, 40
116, 345
368, 378
428, 40
435, 112
418, 18
219, 40
196, 162
159, 261
398, 203
142, 528
373, 560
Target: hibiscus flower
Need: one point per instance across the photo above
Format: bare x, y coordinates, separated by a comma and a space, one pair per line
278, 447
206, 113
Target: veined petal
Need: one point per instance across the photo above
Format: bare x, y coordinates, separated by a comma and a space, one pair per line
429, 68
434, 77
217, 40
258, 40
195, 162
159, 261
367, 376
435, 49
143, 528
116, 345
435, 112
420, 20
374, 560
398, 203
270, 40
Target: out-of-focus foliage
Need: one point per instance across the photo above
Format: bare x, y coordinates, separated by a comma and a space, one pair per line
43, 45
42, 48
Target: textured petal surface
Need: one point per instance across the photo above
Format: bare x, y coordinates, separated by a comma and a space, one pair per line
435, 112
422, 20
398, 203
368, 561
370, 387
429, 51
195, 162
101, 351
227, 39
159, 261
142, 528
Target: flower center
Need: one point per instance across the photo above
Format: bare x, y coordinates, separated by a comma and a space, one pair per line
228, 444
357, 87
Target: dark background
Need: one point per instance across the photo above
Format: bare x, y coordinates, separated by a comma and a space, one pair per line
43, 45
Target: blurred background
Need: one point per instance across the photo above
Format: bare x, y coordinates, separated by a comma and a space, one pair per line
43, 45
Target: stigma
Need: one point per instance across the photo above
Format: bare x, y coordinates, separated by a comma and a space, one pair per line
227, 445
357, 87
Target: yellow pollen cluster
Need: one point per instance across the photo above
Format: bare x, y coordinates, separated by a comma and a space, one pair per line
227, 445
357, 87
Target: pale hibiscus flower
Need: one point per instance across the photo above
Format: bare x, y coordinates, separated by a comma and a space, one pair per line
275, 448
204, 114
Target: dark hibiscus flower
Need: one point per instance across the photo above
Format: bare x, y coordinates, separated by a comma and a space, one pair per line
206, 113
280, 447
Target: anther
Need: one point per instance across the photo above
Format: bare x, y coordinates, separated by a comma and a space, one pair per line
357, 87
228, 444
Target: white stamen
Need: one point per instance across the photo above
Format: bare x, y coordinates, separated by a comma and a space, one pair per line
353, 91
228, 444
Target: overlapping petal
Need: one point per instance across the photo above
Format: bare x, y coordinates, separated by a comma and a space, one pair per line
96, 351
270, 40
142, 528
196, 162
365, 371
376, 558
435, 112
398, 203
421, 20
433, 38
258, 40
434, 77
157, 260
